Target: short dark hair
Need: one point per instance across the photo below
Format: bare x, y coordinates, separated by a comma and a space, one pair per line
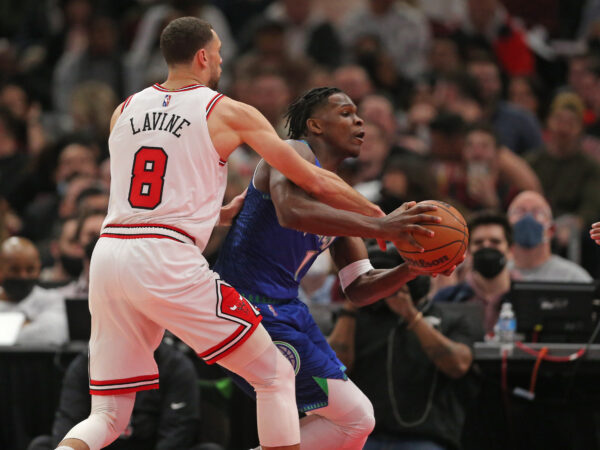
302, 108
489, 217
183, 37
466, 85
82, 217
483, 127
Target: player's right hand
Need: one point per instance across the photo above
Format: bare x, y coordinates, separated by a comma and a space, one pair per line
595, 232
402, 223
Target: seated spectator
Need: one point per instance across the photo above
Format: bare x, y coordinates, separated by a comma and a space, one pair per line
488, 25
402, 29
458, 94
354, 81
166, 418
145, 65
517, 128
76, 170
374, 151
369, 52
481, 186
379, 110
87, 233
269, 54
403, 178
412, 359
570, 179
531, 218
67, 255
308, 33
96, 57
487, 280
528, 94
15, 98
13, 158
45, 318
270, 94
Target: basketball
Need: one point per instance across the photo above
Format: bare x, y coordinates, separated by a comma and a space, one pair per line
446, 247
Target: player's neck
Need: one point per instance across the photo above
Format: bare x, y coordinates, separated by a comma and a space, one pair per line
181, 78
326, 156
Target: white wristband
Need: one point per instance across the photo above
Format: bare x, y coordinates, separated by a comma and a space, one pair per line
352, 271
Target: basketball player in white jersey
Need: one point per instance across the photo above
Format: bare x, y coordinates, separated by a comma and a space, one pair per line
169, 146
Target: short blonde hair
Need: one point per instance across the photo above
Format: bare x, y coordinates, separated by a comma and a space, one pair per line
570, 101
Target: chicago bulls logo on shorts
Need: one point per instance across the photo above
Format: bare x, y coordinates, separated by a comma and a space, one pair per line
233, 307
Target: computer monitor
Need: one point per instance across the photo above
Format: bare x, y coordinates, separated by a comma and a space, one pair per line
555, 312
79, 320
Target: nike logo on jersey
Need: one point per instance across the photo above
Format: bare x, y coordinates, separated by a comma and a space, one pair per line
171, 123
233, 308
177, 406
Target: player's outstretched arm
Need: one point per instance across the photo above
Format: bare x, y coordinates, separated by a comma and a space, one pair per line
375, 284
301, 212
233, 123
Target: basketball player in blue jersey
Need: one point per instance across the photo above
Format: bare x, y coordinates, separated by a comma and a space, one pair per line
277, 236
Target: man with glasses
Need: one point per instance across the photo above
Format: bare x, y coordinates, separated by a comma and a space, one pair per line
533, 228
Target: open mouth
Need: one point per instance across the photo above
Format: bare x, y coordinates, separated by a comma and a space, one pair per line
360, 136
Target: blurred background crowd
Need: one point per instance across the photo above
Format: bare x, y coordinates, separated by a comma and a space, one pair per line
471, 101
467, 101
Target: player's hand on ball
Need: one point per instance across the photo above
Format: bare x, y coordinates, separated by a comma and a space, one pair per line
403, 222
595, 232
416, 270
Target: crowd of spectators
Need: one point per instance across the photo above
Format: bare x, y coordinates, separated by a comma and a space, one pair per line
486, 104
468, 101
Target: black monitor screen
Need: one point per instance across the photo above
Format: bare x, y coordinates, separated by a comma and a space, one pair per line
78, 319
556, 312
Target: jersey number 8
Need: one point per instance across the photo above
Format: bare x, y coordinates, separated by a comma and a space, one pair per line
147, 177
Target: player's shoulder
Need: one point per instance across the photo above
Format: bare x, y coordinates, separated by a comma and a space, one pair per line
302, 148
121, 107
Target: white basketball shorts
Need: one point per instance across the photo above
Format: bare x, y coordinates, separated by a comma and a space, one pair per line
144, 280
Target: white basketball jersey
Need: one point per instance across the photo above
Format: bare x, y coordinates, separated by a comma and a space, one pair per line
164, 167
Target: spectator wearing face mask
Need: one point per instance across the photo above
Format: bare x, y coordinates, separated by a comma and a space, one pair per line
487, 279
533, 228
67, 256
87, 232
45, 318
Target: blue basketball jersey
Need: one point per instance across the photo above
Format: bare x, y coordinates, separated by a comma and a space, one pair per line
261, 258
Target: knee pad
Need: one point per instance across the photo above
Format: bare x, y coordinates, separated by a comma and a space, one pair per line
114, 411
366, 422
107, 420
349, 409
271, 371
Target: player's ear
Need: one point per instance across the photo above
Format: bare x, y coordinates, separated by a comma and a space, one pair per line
314, 126
201, 58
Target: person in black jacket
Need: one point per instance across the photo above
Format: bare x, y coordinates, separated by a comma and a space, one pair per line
162, 419
412, 358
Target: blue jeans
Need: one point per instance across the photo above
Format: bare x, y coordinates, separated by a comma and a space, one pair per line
393, 443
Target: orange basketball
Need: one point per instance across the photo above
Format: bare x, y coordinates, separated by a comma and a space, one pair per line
446, 247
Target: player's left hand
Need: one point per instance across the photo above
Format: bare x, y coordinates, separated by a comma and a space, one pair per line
230, 210
595, 232
416, 271
405, 221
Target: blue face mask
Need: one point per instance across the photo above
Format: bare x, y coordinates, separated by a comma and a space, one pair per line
528, 232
